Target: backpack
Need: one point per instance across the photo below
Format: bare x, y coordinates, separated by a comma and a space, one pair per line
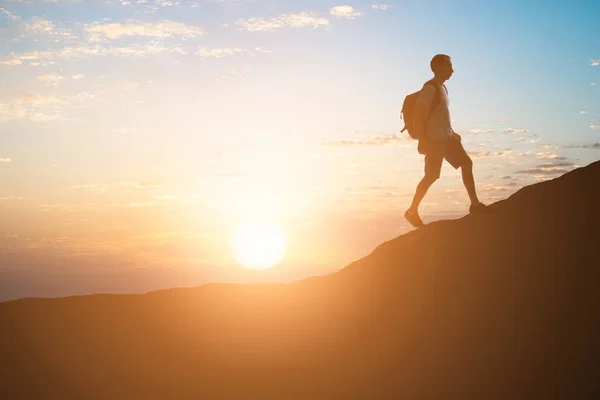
408, 109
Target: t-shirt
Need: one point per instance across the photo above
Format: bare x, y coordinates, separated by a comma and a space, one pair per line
438, 125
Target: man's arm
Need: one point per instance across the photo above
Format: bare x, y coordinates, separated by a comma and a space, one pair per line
422, 109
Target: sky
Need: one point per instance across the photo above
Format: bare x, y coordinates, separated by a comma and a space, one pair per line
136, 136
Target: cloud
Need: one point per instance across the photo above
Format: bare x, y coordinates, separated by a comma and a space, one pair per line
40, 26
37, 107
51, 80
345, 12
282, 21
5, 160
48, 57
594, 127
166, 3
550, 156
595, 63
43, 28
544, 171
592, 146
488, 154
77, 77
550, 147
593, 84
557, 164
582, 112
480, 131
227, 52
528, 140
45, 1
10, 15
513, 130
491, 188
219, 52
11, 62
376, 141
382, 7
162, 29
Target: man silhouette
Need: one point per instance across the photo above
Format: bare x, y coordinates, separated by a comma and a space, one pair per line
438, 140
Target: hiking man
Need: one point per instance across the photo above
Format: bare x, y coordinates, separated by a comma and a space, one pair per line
438, 140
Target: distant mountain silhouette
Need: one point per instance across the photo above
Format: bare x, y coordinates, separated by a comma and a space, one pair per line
500, 306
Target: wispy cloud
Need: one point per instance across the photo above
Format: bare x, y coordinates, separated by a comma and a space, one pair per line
593, 84
492, 188
166, 3
484, 131
544, 171
86, 50
479, 131
345, 12
531, 140
382, 7
550, 156
51, 80
594, 127
5, 160
228, 52
38, 107
514, 130
40, 28
592, 146
595, 63
489, 154
10, 15
375, 141
161, 29
44, 1
304, 19
220, 52
11, 62
556, 164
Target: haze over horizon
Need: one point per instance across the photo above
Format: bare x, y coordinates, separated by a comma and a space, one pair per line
136, 136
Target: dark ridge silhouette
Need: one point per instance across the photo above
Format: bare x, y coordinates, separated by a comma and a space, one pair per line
498, 306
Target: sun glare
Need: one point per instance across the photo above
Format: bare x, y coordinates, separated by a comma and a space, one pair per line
258, 245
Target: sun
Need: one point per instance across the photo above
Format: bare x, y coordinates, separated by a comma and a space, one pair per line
258, 245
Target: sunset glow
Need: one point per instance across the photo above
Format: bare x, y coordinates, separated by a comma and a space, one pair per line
136, 135
258, 245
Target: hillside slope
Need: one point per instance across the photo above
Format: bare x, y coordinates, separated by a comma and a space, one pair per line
501, 306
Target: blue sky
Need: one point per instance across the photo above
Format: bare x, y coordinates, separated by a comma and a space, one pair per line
144, 132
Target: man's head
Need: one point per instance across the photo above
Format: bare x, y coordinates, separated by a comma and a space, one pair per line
441, 65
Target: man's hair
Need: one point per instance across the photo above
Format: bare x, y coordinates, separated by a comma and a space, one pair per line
438, 60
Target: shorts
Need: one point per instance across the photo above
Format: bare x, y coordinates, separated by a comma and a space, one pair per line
450, 149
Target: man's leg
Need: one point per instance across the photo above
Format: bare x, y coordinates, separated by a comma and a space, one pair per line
422, 189
469, 180
433, 166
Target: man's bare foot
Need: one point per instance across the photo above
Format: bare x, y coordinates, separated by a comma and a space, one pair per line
479, 208
413, 218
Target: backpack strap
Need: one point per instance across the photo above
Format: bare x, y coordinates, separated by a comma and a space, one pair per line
436, 100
